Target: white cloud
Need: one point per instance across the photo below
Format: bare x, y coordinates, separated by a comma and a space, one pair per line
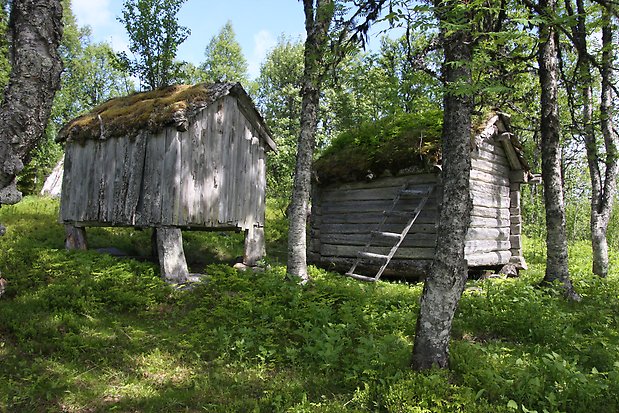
95, 13
263, 42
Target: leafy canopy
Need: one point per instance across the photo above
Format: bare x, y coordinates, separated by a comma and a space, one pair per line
154, 37
224, 58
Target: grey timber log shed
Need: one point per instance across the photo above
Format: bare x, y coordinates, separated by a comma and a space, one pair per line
181, 157
356, 222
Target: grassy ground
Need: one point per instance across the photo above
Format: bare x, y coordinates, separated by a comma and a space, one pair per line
86, 332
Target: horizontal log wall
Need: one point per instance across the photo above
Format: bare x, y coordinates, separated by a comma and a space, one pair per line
344, 215
488, 239
210, 176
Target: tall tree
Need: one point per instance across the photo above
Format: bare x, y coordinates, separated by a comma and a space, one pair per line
35, 29
445, 282
603, 196
556, 238
154, 37
319, 14
279, 96
5, 67
224, 58
318, 17
89, 77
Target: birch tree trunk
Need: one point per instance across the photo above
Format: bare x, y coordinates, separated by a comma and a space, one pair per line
35, 28
603, 196
444, 285
318, 16
556, 238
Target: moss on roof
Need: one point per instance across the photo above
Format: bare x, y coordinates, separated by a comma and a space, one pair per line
404, 141
152, 111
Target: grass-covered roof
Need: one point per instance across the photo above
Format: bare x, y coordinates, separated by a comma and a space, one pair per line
405, 141
151, 111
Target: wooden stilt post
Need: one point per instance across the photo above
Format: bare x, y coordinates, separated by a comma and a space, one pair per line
75, 238
171, 255
254, 246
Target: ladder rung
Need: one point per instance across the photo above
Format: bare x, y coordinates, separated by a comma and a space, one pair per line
372, 255
397, 213
360, 277
386, 234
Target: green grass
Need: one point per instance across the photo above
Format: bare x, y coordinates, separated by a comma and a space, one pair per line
86, 332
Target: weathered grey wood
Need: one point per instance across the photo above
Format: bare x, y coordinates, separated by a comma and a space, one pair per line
413, 240
489, 222
498, 234
489, 201
370, 218
487, 212
492, 147
356, 228
395, 182
224, 148
489, 167
345, 207
488, 258
250, 113
171, 255
75, 238
495, 190
516, 242
157, 155
480, 246
254, 246
352, 250
489, 178
505, 140
494, 157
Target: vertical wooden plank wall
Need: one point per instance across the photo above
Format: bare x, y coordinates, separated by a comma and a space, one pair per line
210, 176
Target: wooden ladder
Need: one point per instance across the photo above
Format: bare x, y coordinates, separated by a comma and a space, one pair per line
399, 238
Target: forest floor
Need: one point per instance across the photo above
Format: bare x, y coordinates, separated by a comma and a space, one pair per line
88, 332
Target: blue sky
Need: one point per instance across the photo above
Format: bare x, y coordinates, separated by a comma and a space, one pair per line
257, 24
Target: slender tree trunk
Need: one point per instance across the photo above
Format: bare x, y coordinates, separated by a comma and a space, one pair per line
556, 238
317, 21
600, 214
445, 283
35, 28
600, 185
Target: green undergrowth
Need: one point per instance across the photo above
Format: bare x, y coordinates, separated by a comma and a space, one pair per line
87, 332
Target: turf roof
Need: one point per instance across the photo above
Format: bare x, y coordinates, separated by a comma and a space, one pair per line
409, 142
151, 111
402, 142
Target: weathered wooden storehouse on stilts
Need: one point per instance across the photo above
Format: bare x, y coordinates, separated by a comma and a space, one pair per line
374, 208
181, 157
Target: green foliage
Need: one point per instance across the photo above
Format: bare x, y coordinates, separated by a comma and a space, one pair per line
391, 144
5, 65
224, 58
154, 37
81, 331
279, 98
89, 78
